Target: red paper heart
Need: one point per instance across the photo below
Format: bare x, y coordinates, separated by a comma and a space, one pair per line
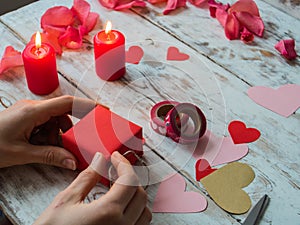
175, 54
240, 134
134, 54
203, 169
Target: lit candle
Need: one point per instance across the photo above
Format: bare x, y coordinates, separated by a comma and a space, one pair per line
40, 67
109, 51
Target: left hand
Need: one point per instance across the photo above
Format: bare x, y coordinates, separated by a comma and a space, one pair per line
29, 131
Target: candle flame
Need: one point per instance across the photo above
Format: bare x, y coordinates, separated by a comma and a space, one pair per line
38, 40
108, 27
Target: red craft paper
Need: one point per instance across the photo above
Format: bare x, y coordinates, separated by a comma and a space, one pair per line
134, 54
203, 169
241, 134
102, 131
171, 197
174, 54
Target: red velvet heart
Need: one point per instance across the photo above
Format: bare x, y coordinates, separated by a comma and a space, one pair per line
203, 169
134, 54
175, 54
241, 134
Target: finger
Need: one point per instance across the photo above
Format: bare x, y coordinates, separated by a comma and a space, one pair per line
51, 155
136, 206
125, 186
145, 218
87, 179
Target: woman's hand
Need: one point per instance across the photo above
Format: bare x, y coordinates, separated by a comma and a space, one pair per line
29, 131
124, 204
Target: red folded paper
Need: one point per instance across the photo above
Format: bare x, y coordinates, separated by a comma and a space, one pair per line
103, 131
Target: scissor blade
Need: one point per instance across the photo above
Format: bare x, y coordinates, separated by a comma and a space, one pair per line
257, 211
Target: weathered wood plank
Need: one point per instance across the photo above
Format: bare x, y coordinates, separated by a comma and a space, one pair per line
119, 95
291, 7
26, 190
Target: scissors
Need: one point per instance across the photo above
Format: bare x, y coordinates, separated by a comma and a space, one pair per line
257, 211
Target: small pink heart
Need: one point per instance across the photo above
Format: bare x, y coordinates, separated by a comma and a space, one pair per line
171, 197
219, 150
285, 100
175, 54
134, 55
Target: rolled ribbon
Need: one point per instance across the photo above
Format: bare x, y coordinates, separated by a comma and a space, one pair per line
190, 133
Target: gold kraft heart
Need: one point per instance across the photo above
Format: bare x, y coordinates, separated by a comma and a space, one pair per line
225, 187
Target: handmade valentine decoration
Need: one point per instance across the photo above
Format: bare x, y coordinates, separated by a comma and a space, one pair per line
240, 134
174, 54
203, 169
283, 100
225, 187
134, 54
171, 197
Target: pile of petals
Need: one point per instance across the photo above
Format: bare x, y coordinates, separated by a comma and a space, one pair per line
66, 27
10, 59
287, 48
126, 4
240, 21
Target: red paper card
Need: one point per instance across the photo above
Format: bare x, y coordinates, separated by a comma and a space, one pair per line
102, 131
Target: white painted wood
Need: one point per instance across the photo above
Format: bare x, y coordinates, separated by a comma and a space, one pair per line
290, 7
274, 156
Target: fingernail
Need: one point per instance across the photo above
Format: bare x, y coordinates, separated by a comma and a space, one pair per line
118, 156
99, 163
69, 164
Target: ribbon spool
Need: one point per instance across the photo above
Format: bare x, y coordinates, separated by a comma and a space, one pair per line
158, 114
194, 128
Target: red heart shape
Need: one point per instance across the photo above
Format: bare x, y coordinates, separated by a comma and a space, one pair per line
203, 169
241, 134
175, 54
134, 54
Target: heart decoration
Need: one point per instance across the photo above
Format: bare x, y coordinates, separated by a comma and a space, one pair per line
171, 197
225, 187
134, 55
219, 150
241, 134
176, 55
203, 169
284, 101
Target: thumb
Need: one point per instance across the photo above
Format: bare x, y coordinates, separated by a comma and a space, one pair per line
52, 155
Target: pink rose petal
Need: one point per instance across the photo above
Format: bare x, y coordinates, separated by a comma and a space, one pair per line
128, 5
55, 31
287, 48
71, 38
58, 16
81, 9
198, 3
156, 1
173, 4
253, 23
10, 59
110, 4
247, 36
49, 39
232, 27
213, 6
245, 6
221, 16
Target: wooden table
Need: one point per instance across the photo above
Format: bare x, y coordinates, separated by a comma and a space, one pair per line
221, 91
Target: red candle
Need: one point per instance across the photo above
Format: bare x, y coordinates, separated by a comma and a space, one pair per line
109, 51
40, 67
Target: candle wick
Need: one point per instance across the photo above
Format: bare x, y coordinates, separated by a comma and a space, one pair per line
108, 36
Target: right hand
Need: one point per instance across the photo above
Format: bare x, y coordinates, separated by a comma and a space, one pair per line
123, 204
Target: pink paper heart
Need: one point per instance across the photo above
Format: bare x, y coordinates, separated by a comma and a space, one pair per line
219, 150
285, 100
134, 55
175, 54
171, 197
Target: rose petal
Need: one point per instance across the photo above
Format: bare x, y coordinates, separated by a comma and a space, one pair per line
287, 48
213, 6
247, 36
156, 1
110, 4
71, 38
198, 3
89, 24
49, 39
128, 5
232, 27
173, 4
81, 9
55, 31
253, 23
221, 16
245, 6
58, 16
10, 59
